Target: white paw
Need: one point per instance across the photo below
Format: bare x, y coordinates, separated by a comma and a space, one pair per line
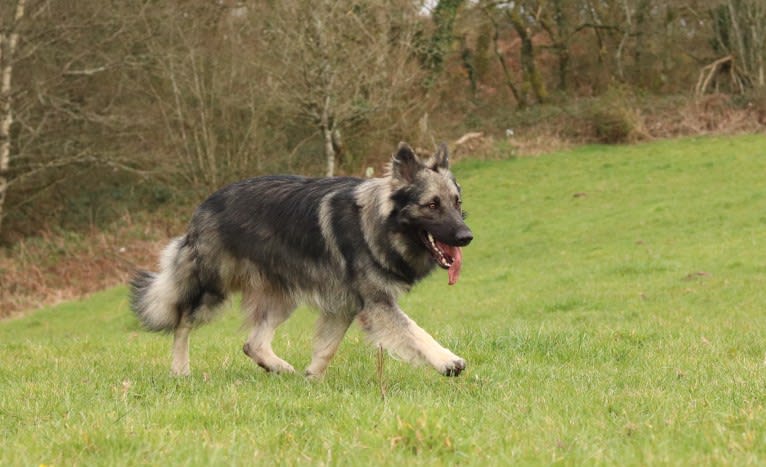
454, 367
449, 364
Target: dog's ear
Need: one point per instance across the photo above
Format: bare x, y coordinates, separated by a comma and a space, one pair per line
405, 164
440, 159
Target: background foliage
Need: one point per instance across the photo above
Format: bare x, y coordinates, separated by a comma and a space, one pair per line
128, 105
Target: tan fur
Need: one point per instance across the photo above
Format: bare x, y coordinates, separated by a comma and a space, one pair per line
330, 330
266, 310
180, 365
160, 295
389, 327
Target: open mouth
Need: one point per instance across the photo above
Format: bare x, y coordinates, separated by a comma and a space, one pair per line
446, 256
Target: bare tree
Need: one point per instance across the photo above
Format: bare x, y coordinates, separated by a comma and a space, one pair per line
334, 64
205, 86
76, 113
518, 94
740, 34
524, 28
9, 38
520, 19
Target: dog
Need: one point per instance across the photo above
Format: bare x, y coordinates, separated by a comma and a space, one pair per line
347, 246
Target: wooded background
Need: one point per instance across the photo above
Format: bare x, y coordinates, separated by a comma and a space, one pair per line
125, 105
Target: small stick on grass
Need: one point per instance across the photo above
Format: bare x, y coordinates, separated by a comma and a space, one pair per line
379, 367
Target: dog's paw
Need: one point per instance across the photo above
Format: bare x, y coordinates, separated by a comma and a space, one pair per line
180, 369
454, 368
267, 360
180, 373
276, 365
313, 376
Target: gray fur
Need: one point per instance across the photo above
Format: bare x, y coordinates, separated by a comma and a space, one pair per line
346, 246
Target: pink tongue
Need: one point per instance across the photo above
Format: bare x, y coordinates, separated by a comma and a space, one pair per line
457, 260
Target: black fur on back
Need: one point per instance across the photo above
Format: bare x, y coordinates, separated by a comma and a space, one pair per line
343, 238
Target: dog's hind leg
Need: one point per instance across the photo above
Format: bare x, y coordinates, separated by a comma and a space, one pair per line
331, 327
180, 365
266, 313
388, 326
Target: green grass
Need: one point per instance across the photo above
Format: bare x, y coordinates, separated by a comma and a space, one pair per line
612, 310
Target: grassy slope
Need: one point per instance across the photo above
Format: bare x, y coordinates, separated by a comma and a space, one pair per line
611, 310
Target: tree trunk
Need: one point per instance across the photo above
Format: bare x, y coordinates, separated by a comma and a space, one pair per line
561, 43
327, 130
329, 151
741, 52
520, 98
563, 54
8, 43
531, 73
444, 14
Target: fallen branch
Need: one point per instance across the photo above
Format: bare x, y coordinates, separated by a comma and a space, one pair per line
708, 72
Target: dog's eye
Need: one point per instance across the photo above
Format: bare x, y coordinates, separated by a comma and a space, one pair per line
458, 203
434, 204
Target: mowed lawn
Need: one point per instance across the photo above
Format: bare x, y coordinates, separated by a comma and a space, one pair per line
612, 310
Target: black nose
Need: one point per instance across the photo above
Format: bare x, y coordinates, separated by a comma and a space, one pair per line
463, 237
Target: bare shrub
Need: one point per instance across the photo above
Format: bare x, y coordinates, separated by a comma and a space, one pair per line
615, 118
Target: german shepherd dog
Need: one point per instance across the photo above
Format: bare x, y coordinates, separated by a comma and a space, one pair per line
347, 246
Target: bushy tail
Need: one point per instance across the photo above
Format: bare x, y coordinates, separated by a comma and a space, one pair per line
156, 298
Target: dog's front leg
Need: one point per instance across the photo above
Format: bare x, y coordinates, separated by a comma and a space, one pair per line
388, 326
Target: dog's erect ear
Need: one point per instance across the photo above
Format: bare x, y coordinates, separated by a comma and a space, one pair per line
440, 159
405, 164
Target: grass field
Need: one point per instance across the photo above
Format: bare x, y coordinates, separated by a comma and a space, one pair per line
612, 310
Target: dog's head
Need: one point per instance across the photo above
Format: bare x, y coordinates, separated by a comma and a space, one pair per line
429, 206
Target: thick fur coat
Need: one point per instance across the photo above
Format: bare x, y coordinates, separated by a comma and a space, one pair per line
347, 246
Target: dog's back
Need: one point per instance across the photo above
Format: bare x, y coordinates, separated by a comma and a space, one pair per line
272, 225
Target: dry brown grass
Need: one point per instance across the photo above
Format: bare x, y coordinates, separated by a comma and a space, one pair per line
711, 114
715, 114
56, 267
